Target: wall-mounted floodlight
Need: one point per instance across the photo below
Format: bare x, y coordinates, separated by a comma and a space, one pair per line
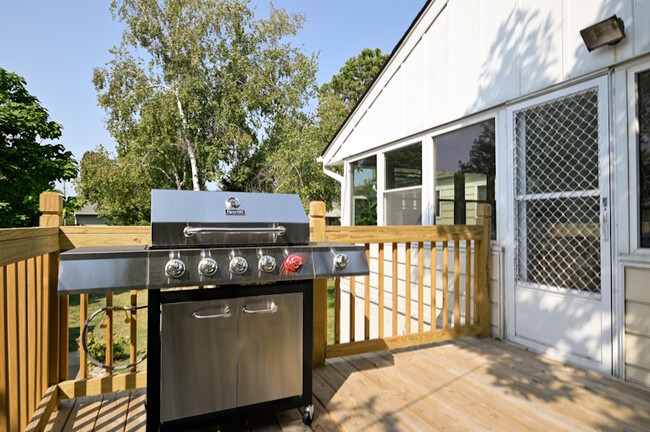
608, 32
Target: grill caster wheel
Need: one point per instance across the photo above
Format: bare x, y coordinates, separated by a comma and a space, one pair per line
308, 415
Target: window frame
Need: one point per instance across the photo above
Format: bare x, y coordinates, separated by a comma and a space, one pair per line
634, 161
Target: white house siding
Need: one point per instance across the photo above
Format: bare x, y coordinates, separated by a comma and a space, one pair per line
465, 56
637, 325
495, 292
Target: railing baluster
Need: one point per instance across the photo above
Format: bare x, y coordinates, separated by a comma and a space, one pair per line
445, 285
395, 285
477, 267
22, 338
4, 366
353, 299
109, 330
381, 290
420, 287
13, 395
39, 328
434, 285
468, 282
134, 329
366, 298
457, 283
337, 310
83, 316
407, 283
34, 397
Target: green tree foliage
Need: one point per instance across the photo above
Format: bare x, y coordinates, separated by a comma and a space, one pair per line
301, 139
28, 166
191, 94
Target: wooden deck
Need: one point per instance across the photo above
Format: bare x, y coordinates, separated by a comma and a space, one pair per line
468, 384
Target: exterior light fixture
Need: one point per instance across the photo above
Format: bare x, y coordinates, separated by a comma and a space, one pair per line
608, 32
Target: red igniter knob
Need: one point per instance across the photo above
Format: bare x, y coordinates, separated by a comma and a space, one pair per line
293, 263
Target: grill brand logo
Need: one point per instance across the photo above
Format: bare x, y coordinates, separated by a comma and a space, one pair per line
232, 207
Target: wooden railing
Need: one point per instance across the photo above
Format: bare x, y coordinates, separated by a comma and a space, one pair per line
34, 319
455, 322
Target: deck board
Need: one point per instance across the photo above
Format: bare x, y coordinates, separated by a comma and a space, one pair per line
468, 384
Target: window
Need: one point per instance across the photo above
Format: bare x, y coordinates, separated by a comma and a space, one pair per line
465, 174
403, 195
364, 191
643, 110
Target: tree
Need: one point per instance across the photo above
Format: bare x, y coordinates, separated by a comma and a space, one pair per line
192, 91
214, 77
299, 140
28, 166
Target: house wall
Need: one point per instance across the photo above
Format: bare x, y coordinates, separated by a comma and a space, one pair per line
470, 55
467, 60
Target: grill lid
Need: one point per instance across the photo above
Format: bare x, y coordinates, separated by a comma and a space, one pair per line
219, 219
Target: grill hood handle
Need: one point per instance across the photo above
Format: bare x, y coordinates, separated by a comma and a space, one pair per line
189, 231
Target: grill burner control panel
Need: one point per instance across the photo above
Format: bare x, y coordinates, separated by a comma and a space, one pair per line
144, 268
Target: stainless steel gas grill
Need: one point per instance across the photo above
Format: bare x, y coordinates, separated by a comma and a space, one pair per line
241, 342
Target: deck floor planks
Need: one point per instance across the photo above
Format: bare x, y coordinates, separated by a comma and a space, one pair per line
518, 396
467, 384
113, 412
608, 401
415, 402
137, 416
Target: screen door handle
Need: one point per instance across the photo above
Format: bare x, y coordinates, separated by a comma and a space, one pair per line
604, 225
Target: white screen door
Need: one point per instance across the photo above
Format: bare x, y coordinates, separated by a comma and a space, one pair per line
560, 176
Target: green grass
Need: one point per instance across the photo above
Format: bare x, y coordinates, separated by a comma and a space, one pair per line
121, 328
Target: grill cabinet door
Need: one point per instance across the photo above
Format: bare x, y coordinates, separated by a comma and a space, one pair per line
270, 348
198, 358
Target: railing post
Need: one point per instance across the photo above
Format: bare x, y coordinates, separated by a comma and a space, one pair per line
482, 253
51, 207
317, 226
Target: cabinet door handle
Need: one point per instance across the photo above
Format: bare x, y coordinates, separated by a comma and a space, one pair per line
272, 309
225, 314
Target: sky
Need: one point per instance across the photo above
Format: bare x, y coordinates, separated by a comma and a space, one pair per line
55, 44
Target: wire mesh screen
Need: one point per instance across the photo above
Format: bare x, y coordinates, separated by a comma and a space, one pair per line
557, 194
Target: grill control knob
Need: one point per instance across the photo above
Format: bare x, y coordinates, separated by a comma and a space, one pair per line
238, 265
293, 263
341, 261
208, 266
174, 268
267, 264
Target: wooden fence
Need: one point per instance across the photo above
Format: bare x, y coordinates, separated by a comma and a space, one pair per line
34, 319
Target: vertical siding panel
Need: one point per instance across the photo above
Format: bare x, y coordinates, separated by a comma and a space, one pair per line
540, 44
640, 34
